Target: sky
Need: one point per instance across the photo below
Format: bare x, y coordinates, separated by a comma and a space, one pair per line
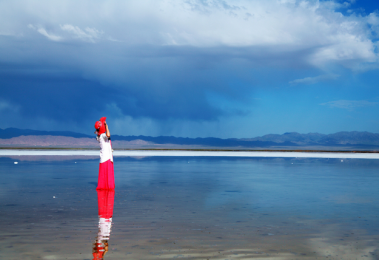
190, 68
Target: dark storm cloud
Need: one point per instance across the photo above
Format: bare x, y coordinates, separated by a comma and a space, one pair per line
78, 81
159, 87
73, 98
63, 80
53, 97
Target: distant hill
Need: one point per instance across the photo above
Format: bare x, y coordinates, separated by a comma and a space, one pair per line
208, 141
14, 137
340, 138
15, 132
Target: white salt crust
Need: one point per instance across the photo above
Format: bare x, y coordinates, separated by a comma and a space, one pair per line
146, 153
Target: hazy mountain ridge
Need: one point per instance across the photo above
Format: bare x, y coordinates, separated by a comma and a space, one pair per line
48, 141
339, 138
25, 137
64, 142
207, 141
16, 132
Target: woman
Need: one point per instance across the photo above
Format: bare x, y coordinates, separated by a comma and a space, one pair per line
106, 172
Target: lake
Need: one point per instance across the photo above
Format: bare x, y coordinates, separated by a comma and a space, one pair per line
168, 207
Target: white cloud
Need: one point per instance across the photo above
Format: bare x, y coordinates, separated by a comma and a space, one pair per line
89, 34
313, 80
349, 104
373, 21
43, 31
315, 30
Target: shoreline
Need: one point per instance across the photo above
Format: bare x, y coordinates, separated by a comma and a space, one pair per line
193, 153
189, 149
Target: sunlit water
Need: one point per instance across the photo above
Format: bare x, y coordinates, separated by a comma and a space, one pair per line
190, 208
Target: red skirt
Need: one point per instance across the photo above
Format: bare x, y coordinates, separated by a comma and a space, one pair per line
106, 176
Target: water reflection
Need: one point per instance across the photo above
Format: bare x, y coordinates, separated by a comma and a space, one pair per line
105, 200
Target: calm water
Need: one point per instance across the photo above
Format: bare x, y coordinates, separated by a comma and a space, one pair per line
190, 208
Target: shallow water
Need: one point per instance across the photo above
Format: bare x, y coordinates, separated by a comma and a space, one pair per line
192, 208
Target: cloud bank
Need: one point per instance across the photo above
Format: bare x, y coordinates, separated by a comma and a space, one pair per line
186, 60
276, 26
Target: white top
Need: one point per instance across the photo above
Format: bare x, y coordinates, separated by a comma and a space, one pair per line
105, 148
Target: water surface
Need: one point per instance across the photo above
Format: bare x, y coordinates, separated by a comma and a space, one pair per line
191, 208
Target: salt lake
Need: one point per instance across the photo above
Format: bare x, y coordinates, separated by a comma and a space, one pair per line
190, 206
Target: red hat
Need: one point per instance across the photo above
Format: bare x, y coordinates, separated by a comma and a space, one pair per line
100, 125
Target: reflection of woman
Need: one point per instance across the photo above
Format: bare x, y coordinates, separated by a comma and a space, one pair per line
106, 172
105, 201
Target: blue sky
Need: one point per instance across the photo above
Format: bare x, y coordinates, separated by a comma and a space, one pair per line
192, 68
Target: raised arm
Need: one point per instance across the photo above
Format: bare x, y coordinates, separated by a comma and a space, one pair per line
107, 130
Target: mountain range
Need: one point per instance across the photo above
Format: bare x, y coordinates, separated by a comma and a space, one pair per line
14, 137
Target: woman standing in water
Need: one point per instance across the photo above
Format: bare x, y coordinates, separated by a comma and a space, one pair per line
106, 171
